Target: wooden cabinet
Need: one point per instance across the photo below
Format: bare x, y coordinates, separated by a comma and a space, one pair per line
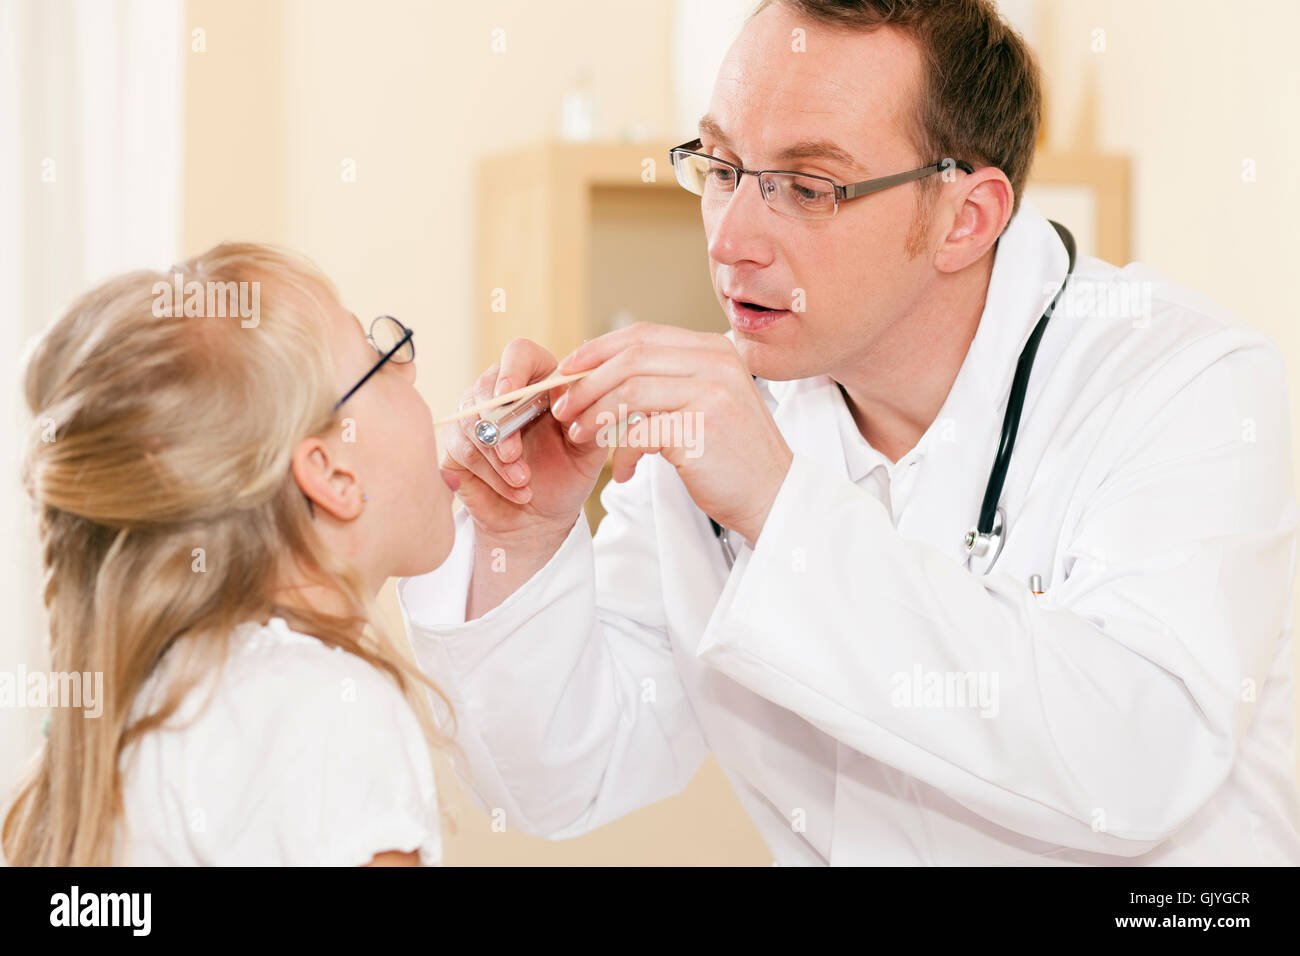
575, 239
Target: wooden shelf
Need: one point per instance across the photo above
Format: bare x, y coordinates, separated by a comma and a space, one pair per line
1104, 181
574, 235
577, 236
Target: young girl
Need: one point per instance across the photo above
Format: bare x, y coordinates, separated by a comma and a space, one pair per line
221, 494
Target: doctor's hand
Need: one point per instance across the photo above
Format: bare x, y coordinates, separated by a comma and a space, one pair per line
699, 408
532, 485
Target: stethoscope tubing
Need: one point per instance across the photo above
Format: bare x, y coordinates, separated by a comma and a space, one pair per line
1016, 400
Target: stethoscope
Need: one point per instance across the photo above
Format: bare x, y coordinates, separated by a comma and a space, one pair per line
984, 541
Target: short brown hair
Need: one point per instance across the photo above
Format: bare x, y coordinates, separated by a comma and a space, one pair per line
981, 96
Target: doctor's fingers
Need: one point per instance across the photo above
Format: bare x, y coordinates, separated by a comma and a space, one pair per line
456, 433
509, 448
523, 362
479, 497
623, 465
483, 389
460, 454
649, 334
650, 434
646, 394
636, 360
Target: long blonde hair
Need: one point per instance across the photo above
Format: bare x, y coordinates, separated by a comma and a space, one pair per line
154, 436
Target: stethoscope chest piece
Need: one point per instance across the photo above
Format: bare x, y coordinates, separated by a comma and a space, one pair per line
982, 547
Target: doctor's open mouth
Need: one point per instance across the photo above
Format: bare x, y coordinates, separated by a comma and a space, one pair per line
751, 316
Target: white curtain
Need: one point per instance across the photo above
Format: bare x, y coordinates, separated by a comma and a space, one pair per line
90, 137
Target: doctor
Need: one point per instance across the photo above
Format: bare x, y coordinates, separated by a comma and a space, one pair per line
876, 692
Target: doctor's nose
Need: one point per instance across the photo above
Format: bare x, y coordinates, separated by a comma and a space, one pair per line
739, 228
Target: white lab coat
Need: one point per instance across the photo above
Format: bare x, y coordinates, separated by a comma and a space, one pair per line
1143, 710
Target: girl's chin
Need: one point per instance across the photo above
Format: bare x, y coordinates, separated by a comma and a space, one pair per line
439, 543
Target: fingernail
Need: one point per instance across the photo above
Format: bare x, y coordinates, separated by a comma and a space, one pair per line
574, 431
558, 408
502, 386
515, 473
450, 479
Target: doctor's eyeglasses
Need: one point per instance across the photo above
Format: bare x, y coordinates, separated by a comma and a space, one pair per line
393, 341
797, 195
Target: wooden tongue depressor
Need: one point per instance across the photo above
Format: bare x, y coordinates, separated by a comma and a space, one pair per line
518, 394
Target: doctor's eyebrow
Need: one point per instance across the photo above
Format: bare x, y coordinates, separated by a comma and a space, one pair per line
819, 149
709, 127
807, 149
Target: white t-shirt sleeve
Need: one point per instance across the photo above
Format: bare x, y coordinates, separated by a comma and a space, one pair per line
303, 756
353, 772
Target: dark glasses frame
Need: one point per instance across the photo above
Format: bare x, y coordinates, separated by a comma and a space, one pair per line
408, 337
391, 355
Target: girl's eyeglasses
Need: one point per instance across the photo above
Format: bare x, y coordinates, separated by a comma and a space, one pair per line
393, 341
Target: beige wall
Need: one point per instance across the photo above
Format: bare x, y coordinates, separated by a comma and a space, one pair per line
289, 91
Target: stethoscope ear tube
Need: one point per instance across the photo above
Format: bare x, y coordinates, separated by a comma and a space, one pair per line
1015, 403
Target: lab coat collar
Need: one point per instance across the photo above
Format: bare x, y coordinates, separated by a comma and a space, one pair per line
1028, 266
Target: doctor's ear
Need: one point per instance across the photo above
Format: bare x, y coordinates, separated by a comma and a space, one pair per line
984, 208
326, 481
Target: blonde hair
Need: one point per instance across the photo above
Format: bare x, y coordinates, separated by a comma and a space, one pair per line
172, 433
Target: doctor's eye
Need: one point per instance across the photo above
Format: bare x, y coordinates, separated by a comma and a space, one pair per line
720, 175
810, 193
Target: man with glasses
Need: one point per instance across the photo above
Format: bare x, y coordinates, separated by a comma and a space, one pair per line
801, 597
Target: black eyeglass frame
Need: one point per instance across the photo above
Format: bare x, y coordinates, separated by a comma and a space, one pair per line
407, 336
843, 193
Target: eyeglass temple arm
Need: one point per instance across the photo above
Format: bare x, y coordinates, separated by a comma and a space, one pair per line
689, 147
854, 190
375, 368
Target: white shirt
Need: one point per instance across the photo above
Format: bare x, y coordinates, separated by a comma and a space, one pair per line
870, 697
305, 755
